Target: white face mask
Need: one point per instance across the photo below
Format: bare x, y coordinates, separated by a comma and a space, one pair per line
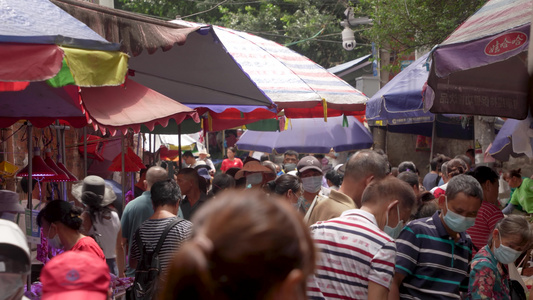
54, 242
312, 184
11, 285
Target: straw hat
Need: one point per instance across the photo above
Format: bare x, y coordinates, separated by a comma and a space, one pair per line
96, 185
202, 151
253, 166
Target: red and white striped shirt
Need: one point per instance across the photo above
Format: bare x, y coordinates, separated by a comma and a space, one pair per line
487, 217
354, 251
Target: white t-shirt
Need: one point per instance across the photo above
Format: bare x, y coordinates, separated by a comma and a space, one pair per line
109, 229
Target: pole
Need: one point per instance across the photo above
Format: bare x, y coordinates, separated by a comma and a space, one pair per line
84, 151
123, 177
433, 136
30, 185
179, 146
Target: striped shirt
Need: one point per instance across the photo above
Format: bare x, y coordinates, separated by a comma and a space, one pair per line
435, 266
152, 229
487, 217
354, 251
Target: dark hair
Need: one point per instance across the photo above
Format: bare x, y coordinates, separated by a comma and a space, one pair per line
291, 153
426, 206
409, 177
471, 152
425, 197
93, 202
232, 171
483, 174
63, 212
334, 176
455, 167
390, 188
272, 239
270, 165
407, 166
284, 183
512, 173
464, 184
222, 182
464, 158
264, 157
191, 174
232, 149
187, 154
166, 192
434, 163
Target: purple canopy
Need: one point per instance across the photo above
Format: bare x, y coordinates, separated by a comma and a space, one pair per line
481, 68
310, 136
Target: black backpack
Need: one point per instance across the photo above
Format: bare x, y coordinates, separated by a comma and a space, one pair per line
148, 267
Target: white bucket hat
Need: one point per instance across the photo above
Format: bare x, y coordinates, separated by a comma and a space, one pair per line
11, 238
9, 202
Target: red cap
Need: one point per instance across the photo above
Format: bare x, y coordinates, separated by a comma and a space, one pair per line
75, 275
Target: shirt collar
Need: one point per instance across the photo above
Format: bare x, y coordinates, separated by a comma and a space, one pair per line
441, 230
362, 213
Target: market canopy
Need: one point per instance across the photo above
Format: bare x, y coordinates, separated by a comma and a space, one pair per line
481, 68
39, 41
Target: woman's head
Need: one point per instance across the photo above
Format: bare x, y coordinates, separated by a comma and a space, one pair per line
287, 186
513, 178
231, 152
407, 166
514, 232
455, 167
246, 245
222, 182
56, 213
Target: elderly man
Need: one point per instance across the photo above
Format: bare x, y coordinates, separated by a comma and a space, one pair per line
204, 156
357, 248
433, 253
361, 169
139, 210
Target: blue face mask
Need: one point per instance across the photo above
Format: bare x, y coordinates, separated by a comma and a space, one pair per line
505, 254
254, 178
394, 232
456, 222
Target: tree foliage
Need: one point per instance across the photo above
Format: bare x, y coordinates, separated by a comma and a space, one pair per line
309, 27
408, 25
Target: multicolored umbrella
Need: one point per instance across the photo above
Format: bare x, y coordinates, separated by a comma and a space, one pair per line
481, 68
39, 41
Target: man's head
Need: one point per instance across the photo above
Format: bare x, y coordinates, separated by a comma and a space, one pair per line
392, 202
14, 260
153, 175
489, 181
290, 157
412, 179
460, 204
363, 167
166, 193
188, 181
310, 172
188, 157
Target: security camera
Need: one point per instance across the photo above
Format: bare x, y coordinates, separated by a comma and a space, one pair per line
348, 39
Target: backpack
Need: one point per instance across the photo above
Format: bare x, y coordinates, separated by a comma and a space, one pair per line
148, 267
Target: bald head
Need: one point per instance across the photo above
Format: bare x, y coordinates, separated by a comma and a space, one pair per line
155, 174
366, 163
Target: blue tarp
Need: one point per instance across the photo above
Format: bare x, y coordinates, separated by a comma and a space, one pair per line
399, 106
42, 22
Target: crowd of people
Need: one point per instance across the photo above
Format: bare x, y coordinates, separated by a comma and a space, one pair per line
304, 228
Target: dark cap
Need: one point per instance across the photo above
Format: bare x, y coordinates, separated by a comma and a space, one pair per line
309, 163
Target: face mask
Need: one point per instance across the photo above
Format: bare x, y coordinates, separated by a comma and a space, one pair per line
312, 184
11, 285
254, 178
456, 222
394, 232
289, 167
54, 242
505, 254
8, 216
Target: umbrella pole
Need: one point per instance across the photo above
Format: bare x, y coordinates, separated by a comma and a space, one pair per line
150, 148
123, 177
433, 131
179, 146
30, 187
206, 138
223, 140
84, 151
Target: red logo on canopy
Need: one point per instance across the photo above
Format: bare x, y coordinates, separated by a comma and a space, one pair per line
505, 43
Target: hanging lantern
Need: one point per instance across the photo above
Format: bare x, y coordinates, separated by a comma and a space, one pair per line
61, 175
39, 168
